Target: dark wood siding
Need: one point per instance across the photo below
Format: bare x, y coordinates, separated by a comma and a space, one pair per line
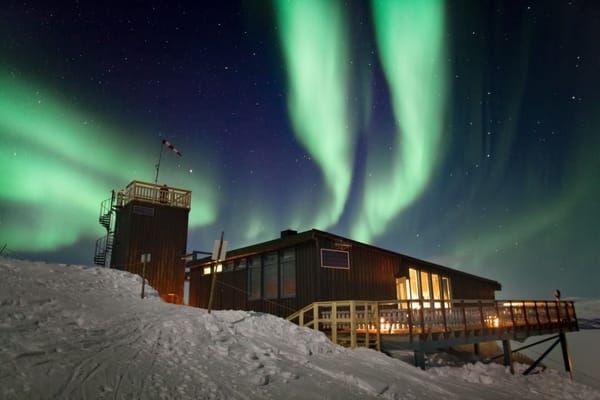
371, 276
307, 279
464, 288
199, 288
160, 231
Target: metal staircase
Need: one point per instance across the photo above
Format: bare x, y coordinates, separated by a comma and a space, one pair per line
104, 244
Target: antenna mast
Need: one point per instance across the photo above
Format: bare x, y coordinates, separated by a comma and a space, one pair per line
158, 163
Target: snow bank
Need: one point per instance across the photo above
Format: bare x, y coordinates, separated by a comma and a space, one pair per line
82, 332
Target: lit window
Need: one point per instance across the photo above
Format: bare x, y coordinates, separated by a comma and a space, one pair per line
425, 285
207, 270
413, 287
435, 283
435, 286
446, 288
422, 285
413, 292
426, 295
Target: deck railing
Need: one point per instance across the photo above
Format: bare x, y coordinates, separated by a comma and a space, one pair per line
154, 193
363, 322
351, 323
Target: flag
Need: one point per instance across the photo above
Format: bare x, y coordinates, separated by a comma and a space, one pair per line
170, 146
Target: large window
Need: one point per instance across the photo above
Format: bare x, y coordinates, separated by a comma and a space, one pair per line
423, 285
435, 286
425, 293
413, 280
446, 295
270, 276
254, 278
288, 273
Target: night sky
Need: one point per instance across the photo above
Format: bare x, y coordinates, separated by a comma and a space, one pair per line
464, 133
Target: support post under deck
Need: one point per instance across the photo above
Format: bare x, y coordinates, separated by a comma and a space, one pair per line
420, 359
508, 360
565, 353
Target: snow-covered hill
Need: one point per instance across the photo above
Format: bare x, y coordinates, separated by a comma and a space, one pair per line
83, 332
585, 323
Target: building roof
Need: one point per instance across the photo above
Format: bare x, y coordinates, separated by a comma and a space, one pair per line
290, 238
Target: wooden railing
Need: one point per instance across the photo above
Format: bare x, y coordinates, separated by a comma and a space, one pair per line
154, 193
350, 323
363, 322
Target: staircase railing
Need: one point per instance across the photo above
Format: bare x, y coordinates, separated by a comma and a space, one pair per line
350, 323
104, 244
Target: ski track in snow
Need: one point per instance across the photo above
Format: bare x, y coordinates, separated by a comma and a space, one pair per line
74, 332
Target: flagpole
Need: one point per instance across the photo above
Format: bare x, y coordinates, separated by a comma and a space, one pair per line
158, 164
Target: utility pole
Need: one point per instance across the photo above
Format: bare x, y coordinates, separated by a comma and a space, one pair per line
216, 259
145, 259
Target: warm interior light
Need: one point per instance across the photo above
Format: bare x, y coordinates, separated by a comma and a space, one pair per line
207, 270
492, 321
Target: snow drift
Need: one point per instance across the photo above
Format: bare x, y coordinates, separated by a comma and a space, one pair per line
82, 332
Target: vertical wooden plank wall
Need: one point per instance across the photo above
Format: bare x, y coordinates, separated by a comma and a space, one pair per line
163, 234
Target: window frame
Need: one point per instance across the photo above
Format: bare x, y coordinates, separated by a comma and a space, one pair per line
254, 266
284, 265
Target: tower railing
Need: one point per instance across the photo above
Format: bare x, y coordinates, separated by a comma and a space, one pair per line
154, 193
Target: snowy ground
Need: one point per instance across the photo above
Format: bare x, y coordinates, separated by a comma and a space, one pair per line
84, 333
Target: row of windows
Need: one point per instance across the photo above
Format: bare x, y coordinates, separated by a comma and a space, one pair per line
229, 266
424, 285
272, 275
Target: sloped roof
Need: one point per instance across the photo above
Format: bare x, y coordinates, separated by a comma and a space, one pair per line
292, 239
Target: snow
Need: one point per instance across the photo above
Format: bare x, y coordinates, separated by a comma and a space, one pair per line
83, 332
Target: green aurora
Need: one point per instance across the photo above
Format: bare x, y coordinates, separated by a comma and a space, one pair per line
410, 38
58, 163
314, 36
462, 134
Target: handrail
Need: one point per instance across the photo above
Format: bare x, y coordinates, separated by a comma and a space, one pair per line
419, 319
351, 322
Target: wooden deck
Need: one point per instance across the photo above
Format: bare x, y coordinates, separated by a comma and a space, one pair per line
426, 325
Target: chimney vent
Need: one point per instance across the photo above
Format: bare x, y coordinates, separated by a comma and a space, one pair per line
288, 232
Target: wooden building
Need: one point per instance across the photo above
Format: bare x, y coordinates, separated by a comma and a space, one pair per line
284, 275
148, 219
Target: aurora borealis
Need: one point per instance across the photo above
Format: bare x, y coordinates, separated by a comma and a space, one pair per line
464, 134
410, 37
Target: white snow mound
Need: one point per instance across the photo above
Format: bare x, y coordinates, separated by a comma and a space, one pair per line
83, 332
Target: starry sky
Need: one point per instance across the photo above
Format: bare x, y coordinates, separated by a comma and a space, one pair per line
463, 133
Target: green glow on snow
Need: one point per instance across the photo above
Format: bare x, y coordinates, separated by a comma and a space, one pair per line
411, 46
313, 35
